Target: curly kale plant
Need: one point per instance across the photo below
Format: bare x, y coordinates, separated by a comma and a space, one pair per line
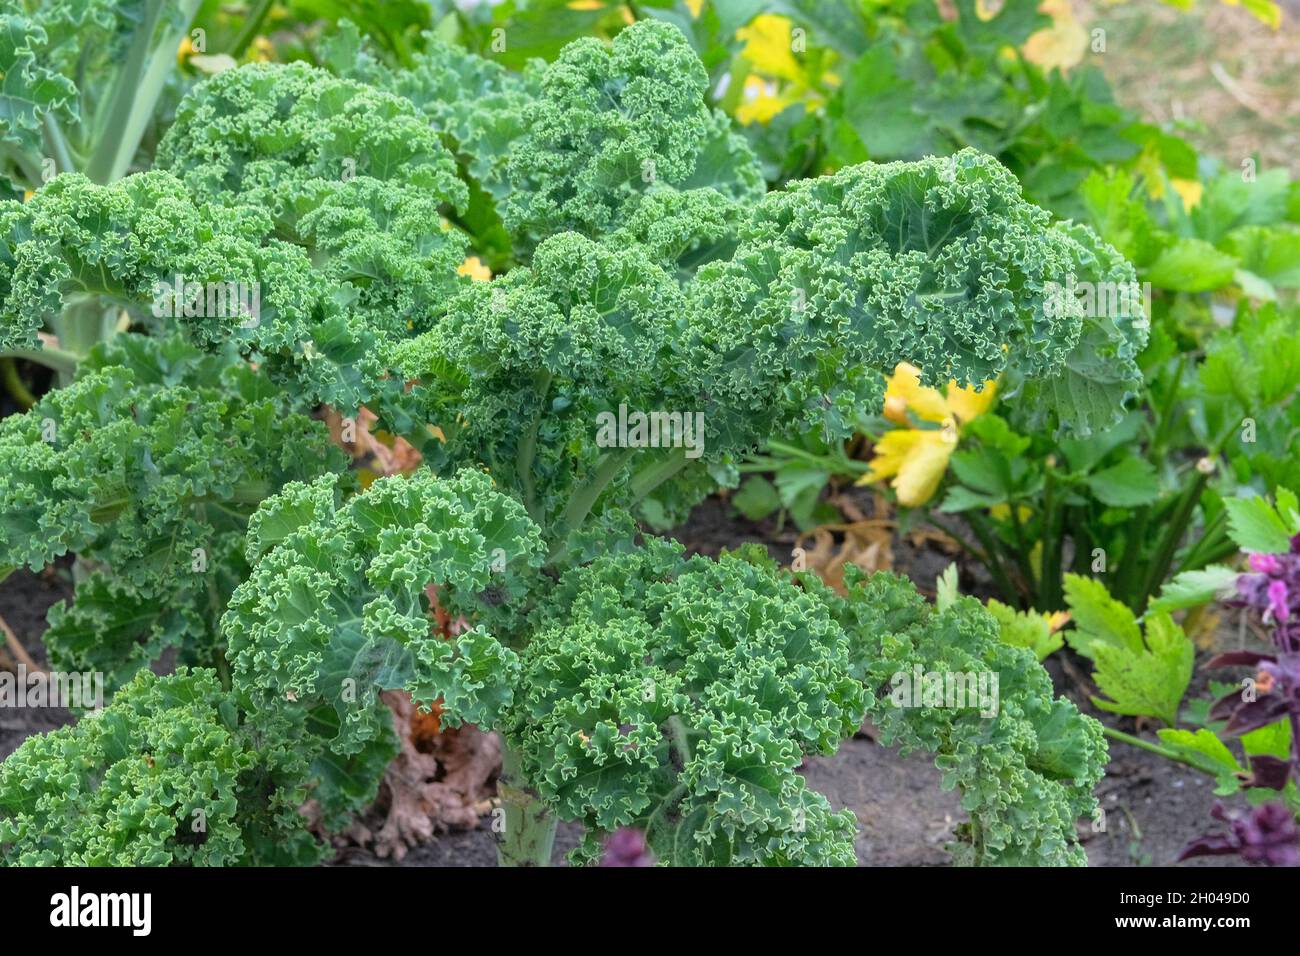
640, 268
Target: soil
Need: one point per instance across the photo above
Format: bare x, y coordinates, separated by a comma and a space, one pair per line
1153, 806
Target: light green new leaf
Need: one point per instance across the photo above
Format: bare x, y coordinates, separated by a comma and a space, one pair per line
1149, 682
1194, 588
945, 587
1026, 629
1273, 740
1098, 618
1191, 265
1206, 751
1255, 525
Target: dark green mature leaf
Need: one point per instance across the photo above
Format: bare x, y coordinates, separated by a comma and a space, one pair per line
337, 610
680, 696
149, 466
1128, 484
161, 777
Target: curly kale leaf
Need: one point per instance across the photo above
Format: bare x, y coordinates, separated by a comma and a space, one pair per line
680, 696
528, 361
261, 134
337, 606
684, 229
476, 104
81, 79
354, 184
1025, 775
148, 466
1100, 373
75, 239
828, 285
320, 197
612, 121
166, 775
31, 91
939, 263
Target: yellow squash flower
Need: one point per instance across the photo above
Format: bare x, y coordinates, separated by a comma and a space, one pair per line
475, 269
769, 47
915, 457
778, 79
761, 101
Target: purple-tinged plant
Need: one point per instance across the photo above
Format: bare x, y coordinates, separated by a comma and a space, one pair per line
1264, 834
627, 847
1272, 589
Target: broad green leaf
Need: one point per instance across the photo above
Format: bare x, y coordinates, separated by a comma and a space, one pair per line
960, 499
756, 498
1191, 265
1130, 483
1273, 740
1205, 750
1145, 682
1270, 252
1194, 588
1099, 620
1256, 526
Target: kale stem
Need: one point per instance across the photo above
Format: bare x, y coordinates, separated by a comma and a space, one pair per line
55, 359
529, 829
58, 144
527, 453
652, 476
584, 498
